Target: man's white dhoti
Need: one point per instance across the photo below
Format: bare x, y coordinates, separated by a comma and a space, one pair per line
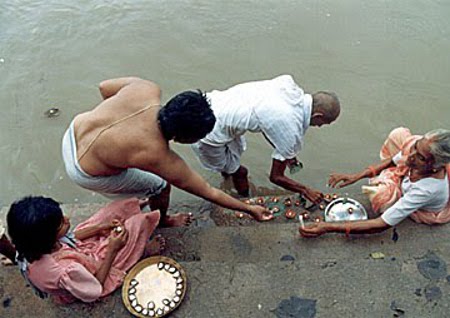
129, 183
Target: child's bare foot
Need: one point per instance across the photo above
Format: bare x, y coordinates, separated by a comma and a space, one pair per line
155, 246
5, 261
179, 219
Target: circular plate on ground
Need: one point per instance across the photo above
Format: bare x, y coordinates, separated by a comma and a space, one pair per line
154, 287
345, 209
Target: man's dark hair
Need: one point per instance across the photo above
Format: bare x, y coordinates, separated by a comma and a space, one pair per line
33, 224
187, 116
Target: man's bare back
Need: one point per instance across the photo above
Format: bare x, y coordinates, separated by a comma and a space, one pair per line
122, 122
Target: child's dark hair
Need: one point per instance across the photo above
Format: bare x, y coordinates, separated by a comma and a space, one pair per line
33, 224
187, 116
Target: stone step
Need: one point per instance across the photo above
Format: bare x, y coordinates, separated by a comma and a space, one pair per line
264, 243
344, 288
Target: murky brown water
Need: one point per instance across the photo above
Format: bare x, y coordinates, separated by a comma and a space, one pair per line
388, 61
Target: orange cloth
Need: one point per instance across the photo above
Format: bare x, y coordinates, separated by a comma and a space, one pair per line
386, 187
68, 274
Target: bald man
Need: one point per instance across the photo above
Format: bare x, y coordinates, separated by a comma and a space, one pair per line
277, 108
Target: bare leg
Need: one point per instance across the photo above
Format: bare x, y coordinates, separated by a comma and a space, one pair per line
161, 202
240, 181
155, 246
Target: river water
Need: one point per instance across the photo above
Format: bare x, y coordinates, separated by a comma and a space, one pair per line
389, 62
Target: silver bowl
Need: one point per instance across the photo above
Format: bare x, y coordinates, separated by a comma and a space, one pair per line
345, 209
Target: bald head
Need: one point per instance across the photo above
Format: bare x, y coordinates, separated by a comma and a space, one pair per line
325, 109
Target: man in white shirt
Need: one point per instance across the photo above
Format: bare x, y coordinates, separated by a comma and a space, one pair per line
281, 111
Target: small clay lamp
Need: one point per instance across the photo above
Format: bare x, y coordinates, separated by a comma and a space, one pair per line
260, 200
288, 202
275, 199
350, 210
335, 196
297, 203
290, 214
276, 210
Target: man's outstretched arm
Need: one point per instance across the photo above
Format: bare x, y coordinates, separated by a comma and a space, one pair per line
175, 170
277, 177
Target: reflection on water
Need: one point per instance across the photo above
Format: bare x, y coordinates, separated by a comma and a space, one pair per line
388, 62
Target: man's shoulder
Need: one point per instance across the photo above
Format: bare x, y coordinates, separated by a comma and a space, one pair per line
142, 88
150, 150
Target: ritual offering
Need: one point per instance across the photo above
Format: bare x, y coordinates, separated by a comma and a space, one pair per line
345, 209
288, 202
154, 287
290, 214
275, 210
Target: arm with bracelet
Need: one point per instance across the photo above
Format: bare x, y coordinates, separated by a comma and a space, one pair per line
340, 180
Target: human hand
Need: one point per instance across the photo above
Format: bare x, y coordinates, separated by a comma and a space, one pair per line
313, 230
341, 180
260, 213
118, 239
312, 195
105, 228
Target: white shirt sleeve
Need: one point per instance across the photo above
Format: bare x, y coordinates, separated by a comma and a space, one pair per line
412, 201
397, 157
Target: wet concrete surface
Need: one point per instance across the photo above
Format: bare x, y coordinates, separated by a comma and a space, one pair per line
266, 270
296, 307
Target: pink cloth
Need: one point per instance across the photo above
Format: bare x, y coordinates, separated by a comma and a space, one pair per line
68, 274
388, 182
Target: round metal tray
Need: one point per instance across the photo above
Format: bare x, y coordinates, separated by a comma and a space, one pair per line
155, 281
345, 209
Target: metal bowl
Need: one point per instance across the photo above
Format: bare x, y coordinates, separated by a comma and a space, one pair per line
345, 209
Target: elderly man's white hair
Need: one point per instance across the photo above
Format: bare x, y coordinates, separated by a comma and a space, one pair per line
439, 146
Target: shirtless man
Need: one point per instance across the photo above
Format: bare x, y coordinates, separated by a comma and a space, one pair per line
121, 147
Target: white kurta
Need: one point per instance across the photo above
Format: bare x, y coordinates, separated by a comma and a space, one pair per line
278, 108
428, 194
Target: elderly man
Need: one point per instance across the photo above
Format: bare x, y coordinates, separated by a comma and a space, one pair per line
281, 111
121, 147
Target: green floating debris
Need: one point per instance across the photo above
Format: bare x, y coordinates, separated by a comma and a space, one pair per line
377, 255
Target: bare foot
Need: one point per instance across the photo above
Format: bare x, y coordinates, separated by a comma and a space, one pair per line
5, 261
179, 219
155, 246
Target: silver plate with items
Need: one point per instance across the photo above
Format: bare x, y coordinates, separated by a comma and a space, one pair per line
345, 209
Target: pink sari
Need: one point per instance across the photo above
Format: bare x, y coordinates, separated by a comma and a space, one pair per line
61, 270
385, 189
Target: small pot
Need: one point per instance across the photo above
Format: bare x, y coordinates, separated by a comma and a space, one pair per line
290, 214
